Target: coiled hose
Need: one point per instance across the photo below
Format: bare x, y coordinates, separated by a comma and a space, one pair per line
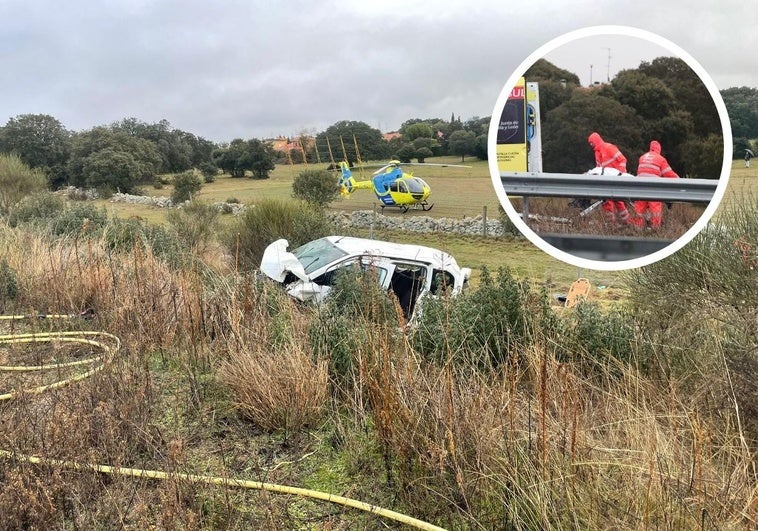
109, 345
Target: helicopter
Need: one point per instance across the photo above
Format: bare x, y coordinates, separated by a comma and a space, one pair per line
392, 186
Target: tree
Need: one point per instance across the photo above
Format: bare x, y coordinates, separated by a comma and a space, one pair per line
429, 144
94, 151
229, 158
185, 184
371, 143
417, 130
742, 106
261, 158
689, 92
648, 96
564, 137
478, 126
175, 147
405, 153
246, 155
462, 143
423, 153
480, 151
315, 187
109, 170
41, 142
544, 70
703, 157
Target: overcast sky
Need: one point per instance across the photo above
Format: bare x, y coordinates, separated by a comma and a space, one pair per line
244, 69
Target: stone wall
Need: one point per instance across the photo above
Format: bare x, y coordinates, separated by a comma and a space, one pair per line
466, 225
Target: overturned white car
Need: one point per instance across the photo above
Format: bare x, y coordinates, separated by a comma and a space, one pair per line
411, 272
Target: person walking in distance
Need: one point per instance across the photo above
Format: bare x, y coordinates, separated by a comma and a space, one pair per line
608, 155
651, 164
748, 155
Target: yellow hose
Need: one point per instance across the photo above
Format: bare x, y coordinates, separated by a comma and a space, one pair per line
103, 360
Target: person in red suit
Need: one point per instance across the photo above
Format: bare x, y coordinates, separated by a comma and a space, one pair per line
652, 164
608, 155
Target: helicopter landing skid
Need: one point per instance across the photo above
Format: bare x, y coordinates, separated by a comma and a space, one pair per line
426, 207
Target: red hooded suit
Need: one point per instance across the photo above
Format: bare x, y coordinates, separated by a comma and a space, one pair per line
651, 164
607, 155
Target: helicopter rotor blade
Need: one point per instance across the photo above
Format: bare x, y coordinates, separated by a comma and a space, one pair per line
433, 164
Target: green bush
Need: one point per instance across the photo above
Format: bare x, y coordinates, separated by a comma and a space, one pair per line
41, 207
195, 224
355, 306
123, 235
269, 221
49, 211
17, 181
598, 334
8, 283
77, 218
186, 184
316, 187
487, 325
209, 171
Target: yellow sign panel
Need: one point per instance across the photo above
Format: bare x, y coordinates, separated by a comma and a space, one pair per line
511, 133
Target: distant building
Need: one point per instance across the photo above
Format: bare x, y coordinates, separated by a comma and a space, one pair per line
284, 144
391, 136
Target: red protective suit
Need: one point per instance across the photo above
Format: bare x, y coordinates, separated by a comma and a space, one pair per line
652, 164
608, 155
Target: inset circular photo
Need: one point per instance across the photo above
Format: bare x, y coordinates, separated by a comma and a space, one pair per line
609, 147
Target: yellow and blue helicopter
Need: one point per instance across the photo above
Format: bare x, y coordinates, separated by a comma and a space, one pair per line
391, 185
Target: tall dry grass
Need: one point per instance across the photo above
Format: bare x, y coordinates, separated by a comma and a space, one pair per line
220, 373
544, 447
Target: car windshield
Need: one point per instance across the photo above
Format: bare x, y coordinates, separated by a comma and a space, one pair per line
317, 253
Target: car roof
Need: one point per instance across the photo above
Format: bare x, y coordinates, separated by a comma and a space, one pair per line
359, 246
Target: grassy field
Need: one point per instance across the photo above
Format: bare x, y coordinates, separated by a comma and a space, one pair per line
457, 193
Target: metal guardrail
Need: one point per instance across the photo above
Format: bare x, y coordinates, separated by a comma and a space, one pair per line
617, 187
586, 186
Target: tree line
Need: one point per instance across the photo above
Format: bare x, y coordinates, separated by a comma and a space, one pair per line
130, 153
662, 99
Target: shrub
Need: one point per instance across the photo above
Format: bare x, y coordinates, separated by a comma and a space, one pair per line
123, 235
41, 207
269, 221
49, 211
209, 171
195, 224
8, 283
78, 217
355, 305
315, 187
17, 181
484, 326
599, 334
185, 184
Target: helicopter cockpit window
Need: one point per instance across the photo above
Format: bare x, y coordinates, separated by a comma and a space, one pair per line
393, 187
402, 187
415, 186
